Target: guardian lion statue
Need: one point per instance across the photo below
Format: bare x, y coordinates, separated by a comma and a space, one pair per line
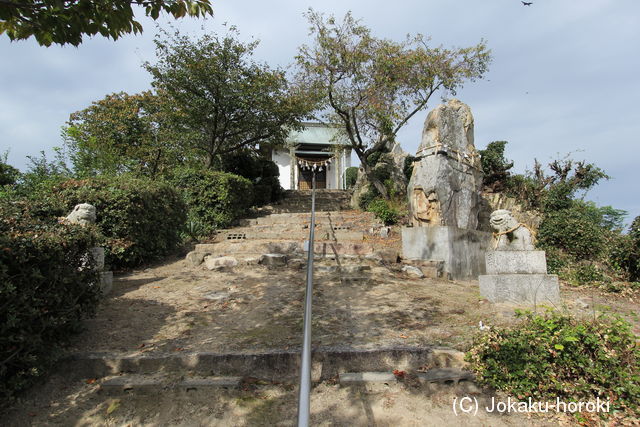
509, 233
82, 214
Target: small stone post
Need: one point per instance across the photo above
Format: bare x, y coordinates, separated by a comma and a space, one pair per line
84, 214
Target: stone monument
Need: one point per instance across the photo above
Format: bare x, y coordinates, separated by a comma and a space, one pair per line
444, 195
85, 214
516, 272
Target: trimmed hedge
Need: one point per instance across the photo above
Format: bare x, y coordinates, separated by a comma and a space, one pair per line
44, 291
215, 199
140, 219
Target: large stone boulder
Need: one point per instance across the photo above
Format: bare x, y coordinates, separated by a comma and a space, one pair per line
446, 183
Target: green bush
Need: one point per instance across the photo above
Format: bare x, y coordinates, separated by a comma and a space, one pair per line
215, 199
47, 287
351, 176
556, 356
633, 259
587, 273
574, 231
140, 219
263, 173
384, 211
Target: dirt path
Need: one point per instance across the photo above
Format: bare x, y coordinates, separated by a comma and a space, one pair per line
173, 307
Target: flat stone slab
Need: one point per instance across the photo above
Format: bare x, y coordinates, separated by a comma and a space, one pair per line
106, 282
528, 289
355, 378
516, 262
209, 383
445, 375
149, 384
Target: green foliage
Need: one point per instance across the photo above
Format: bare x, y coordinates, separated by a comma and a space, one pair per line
226, 100
140, 219
384, 211
633, 259
370, 87
556, 356
548, 192
8, 174
125, 133
43, 173
47, 287
587, 273
574, 231
215, 199
351, 176
495, 166
407, 170
66, 22
263, 173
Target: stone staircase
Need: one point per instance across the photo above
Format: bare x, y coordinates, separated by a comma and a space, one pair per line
283, 228
299, 201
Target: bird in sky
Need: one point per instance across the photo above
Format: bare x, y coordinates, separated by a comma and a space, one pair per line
527, 3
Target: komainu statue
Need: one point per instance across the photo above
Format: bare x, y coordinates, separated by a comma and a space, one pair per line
82, 214
510, 234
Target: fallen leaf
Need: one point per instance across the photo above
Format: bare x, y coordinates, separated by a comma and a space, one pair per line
178, 349
90, 381
399, 374
403, 336
156, 287
114, 405
141, 345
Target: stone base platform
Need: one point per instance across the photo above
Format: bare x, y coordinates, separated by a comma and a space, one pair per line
535, 289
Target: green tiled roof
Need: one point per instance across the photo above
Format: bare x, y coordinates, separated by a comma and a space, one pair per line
316, 133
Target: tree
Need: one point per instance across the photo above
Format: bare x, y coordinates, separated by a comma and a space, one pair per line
495, 166
67, 21
228, 101
124, 133
371, 87
8, 174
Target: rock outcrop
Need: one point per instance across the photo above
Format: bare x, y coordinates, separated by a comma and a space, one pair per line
446, 182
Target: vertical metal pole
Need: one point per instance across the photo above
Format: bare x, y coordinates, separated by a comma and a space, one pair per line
305, 369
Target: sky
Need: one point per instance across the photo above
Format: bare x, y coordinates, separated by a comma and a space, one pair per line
564, 78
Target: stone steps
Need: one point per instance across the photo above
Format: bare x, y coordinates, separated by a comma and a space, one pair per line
278, 365
287, 247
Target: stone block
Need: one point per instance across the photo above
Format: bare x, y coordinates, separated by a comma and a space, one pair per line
106, 282
273, 260
461, 250
538, 289
516, 262
196, 258
218, 263
413, 271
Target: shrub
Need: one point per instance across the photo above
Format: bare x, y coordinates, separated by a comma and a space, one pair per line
555, 355
215, 199
574, 231
45, 291
139, 219
351, 176
384, 211
633, 260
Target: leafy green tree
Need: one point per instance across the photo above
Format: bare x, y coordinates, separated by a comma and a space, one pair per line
124, 133
371, 87
8, 174
67, 21
495, 166
227, 100
549, 191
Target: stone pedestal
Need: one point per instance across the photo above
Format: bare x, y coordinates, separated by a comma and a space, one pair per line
460, 250
519, 277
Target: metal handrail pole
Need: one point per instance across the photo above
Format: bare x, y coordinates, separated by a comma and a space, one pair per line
305, 368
